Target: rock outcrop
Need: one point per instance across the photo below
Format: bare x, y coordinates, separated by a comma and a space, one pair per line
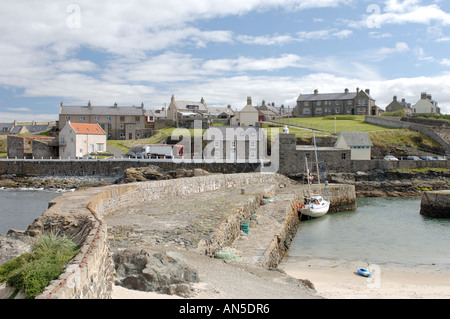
164, 272
150, 173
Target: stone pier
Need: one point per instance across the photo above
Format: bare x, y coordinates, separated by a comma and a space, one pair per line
435, 204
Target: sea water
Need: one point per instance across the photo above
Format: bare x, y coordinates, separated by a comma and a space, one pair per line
20, 207
380, 230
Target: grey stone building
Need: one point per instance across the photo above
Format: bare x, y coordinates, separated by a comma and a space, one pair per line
119, 123
345, 103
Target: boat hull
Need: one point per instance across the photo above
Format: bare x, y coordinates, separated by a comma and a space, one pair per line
315, 210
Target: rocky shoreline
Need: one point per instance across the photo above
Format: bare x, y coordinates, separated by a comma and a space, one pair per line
376, 183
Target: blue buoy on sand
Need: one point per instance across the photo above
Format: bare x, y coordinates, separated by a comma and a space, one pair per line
364, 272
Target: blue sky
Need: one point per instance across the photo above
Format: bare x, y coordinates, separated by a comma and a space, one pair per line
137, 52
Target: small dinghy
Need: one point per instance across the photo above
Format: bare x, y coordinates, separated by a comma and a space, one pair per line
364, 272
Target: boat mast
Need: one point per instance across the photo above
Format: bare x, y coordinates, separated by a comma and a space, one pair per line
307, 177
317, 160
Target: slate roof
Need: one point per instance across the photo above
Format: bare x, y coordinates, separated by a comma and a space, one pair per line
184, 106
329, 96
356, 138
102, 110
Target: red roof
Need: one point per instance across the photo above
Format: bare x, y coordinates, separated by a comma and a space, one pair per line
82, 128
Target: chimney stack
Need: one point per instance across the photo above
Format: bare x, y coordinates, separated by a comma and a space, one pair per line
316, 91
249, 100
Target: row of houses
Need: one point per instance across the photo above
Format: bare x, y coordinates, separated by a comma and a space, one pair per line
359, 102
85, 129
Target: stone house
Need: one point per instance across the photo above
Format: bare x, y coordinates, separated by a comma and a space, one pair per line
119, 123
79, 139
358, 142
235, 143
185, 109
426, 105
220, 114
395, 105
346, 103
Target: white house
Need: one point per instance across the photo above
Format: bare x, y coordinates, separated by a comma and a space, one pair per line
248, 116
358, 142
79, 139
426, 105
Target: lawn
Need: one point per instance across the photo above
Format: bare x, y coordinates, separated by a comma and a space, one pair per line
125, 145
354, 123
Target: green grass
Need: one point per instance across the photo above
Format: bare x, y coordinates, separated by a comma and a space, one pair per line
402, 137
125, 145
354, 123
32, 272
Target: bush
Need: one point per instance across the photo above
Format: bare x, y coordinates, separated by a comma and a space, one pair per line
31, 273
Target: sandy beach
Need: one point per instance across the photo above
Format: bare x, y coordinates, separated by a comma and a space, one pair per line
337, 279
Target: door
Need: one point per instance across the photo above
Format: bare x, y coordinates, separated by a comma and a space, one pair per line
130, 136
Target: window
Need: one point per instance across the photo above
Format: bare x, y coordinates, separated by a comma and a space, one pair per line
67, 118
136, 118
83, 118
122, 118
96, 118
337, 110
344, 156
252, 144
233, 144
108, 118
62, 140
306, 111
122, 135
121, 126
319, 110
216, 144
100, 147
319, 103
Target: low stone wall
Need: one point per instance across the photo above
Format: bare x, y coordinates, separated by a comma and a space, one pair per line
110, 168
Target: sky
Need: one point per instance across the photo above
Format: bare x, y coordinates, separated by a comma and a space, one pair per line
145, 51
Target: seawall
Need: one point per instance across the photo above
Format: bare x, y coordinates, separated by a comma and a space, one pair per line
80, 215
435, 204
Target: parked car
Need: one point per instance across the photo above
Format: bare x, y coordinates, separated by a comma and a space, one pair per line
413, 158
130, 155
140, 155
427, 158
390, 158
88, 157
439, 158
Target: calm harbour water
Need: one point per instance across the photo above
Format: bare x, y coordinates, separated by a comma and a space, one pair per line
380, 230
19, 208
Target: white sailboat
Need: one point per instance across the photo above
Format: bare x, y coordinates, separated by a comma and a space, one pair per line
314, 205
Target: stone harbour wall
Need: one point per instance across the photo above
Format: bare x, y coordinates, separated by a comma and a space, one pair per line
79, 216
435, 204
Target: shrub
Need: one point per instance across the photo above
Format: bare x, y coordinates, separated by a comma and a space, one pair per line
32, 272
